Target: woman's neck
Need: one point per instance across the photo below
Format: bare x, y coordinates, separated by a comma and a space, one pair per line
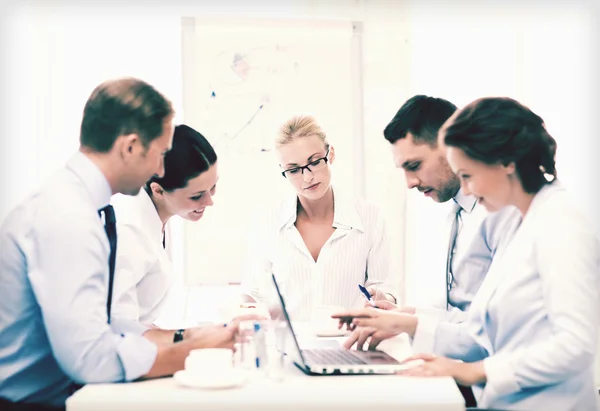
161, 209
316, 210
523, 201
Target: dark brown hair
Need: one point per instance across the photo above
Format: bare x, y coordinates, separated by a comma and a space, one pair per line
120, 107
422, 116
190, 156
500, 130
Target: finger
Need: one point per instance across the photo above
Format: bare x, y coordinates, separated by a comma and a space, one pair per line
350, 341
364, 322
385, 305
364, 334
374, 342
422, 356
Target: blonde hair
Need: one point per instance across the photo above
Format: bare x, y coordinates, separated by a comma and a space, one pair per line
299, 127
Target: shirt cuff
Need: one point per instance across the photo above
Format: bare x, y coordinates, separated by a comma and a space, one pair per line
137, 354
501, 379
424, 338
127, 326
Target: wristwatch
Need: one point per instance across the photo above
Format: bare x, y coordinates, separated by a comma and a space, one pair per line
178, 335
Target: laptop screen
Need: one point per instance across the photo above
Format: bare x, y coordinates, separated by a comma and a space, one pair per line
294, 351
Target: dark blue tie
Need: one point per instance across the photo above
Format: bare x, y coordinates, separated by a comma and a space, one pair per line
110, 226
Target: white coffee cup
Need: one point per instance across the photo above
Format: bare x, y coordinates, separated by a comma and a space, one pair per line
209, 361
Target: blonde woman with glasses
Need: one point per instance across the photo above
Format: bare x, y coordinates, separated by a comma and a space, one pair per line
319, 243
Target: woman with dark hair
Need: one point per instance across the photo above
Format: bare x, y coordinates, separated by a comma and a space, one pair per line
143, 277
530, 339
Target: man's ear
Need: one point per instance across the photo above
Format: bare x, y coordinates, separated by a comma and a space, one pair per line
129, 145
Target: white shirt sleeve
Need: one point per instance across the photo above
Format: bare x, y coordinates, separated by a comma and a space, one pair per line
428, 320
69, 275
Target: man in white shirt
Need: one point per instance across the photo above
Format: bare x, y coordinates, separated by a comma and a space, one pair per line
474, 235
57, 262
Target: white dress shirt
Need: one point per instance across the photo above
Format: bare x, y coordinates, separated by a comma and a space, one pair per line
53, 281
480, 235
144, 277
358, 252
534, 320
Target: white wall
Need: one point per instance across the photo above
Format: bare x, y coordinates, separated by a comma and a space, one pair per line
59, 54
541, 56
56, 56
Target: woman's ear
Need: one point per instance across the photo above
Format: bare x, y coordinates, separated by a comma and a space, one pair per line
156, 189
331, 154
510, 168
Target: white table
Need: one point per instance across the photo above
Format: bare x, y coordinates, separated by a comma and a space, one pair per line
297, 391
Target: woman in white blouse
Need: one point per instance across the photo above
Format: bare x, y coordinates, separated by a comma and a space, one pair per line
143, 276
530, 339
319, 244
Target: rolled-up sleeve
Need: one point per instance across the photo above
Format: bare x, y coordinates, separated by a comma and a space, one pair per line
69, 277
127, 326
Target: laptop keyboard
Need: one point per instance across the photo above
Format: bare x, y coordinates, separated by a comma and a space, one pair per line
330, 357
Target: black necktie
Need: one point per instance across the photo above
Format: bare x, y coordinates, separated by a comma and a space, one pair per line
110, 226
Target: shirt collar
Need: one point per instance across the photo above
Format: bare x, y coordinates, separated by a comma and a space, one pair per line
345, 214
93, 179
466, 202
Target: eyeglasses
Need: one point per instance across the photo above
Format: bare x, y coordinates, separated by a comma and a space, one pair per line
313, 166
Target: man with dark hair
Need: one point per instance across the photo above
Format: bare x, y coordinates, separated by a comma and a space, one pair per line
474, 235
413, 134
57, 260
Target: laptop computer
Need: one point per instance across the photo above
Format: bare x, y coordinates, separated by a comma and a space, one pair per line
335, 360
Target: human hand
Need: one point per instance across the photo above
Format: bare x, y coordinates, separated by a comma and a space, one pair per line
235, 321
377, 294
407, 310
361, 335
389, 322
383, 305
466, 374
389, 306
213, 336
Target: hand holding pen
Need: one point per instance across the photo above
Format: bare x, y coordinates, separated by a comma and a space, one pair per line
367, 295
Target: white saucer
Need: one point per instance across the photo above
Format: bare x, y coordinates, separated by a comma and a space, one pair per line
210, 381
